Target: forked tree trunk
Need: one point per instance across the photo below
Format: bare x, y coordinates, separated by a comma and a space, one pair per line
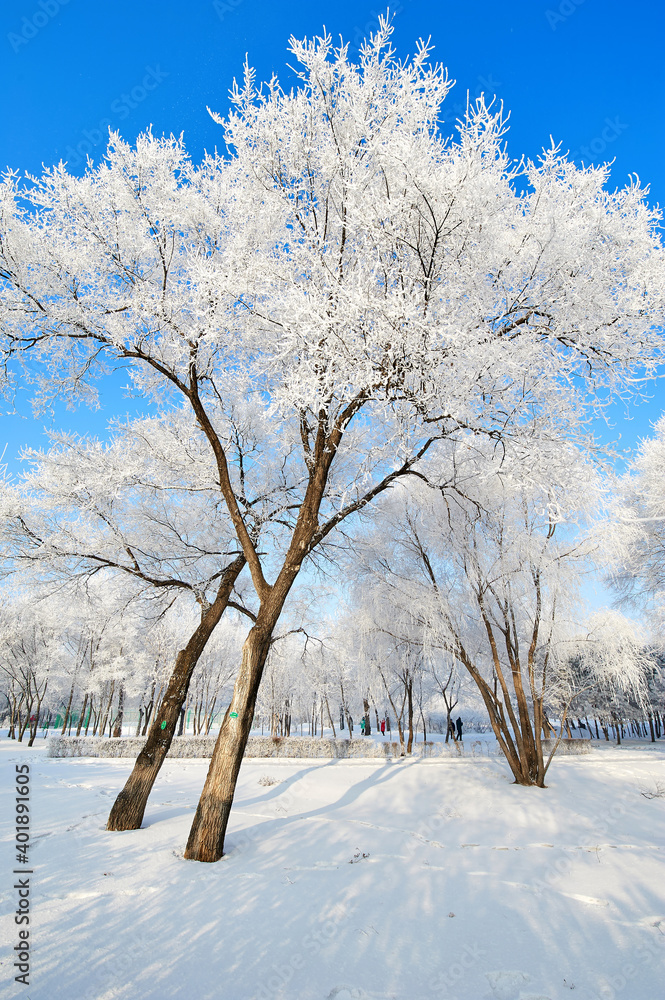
39, 697
129, 807
23, 722
206, 837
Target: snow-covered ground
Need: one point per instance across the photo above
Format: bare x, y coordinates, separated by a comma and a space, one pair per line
344, 879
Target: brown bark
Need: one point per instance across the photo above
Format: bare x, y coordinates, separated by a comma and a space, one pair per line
117, 726
398, 714
409, 695
107, 712
33, 727
330, 718
13, 714
206, 837
87, 721
22, 722
39, 697
345, 710
82, 715
129, 807
148, 710
67, 710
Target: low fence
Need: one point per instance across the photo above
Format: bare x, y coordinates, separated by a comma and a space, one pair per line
289, 746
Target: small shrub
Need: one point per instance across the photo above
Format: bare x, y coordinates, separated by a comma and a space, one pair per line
657, 792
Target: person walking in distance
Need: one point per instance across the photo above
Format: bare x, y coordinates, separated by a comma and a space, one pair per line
459, 728
383, 727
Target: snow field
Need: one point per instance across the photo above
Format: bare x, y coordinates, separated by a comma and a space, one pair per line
344, 879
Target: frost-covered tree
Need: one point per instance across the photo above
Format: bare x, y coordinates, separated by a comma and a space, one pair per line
28, 651
637, 532
68, 646
490, 574
375, 286
142, 510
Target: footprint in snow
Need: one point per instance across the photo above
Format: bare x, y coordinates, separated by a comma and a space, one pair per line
508, 985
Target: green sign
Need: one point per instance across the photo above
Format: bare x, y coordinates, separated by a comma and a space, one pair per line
234, 715
164, 724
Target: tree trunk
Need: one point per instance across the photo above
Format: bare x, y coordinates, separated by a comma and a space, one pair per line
206, 837
400, 733
23, 724
13, 712
129, 807
148, 710
332, 724
117, 729
87, 721
108, 710
210, 717
69, 705
368, 724
39, 697
409, 695
82, 715
345, 710
33, 727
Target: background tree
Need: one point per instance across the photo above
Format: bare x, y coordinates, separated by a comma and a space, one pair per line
493, 577
27, 652
637, 533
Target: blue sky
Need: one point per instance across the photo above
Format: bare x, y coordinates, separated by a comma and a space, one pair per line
588, 72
